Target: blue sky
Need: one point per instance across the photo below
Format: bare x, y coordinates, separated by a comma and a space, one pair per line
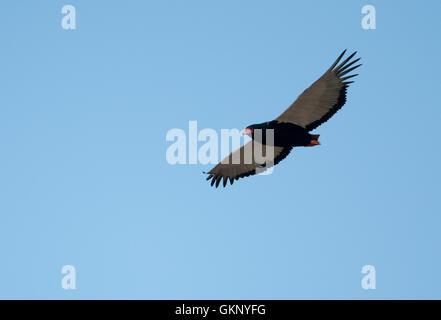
84, 180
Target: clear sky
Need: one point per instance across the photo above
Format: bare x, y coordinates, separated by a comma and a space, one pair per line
84, 179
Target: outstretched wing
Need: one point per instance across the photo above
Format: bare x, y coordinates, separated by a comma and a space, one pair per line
242, 163
323, 98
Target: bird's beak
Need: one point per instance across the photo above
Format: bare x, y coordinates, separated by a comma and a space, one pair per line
247, 131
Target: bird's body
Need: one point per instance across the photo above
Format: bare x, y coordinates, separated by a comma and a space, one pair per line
316, 105
286, 134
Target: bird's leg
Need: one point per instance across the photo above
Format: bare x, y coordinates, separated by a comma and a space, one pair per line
314, 140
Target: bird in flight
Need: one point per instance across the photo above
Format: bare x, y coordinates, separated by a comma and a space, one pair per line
314, 106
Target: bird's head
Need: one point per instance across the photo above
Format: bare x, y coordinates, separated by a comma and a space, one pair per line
249, 131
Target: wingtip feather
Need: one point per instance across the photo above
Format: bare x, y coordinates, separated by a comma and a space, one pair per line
338, 60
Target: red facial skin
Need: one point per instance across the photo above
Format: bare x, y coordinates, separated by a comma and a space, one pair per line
247, 131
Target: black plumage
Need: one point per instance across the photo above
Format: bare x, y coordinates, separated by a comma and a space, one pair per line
316, 105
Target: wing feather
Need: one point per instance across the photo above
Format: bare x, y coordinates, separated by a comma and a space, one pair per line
229, 170
323, 98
